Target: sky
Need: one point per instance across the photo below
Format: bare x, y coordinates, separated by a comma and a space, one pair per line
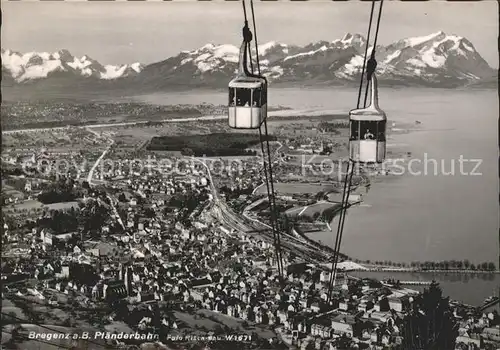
147, 32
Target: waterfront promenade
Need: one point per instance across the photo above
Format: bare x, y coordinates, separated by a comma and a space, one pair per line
368, 268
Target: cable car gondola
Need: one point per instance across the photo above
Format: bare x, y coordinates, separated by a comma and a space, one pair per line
247, 96
368, 128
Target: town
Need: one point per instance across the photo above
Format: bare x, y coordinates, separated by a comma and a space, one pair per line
105, 234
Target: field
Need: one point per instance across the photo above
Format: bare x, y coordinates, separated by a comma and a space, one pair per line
290, 188
63, 205
215, 144
135, 137
28, 205
210, 319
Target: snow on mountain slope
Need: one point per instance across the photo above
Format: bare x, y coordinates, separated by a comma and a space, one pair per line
38, 65
437, 59
273, 46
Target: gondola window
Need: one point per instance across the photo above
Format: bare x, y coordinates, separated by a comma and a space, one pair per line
232, 94
368, 130
257, 98
243, 97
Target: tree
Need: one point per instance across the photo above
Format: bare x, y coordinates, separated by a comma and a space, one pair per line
320, 195
93, 215
355, 288
431, 324
149, 213
343, 342
187, 152
122, 197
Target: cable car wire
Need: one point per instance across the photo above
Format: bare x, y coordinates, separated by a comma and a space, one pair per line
372, 62
247, 43
273, 198
268, 187
271, 180
370, 65
366, 55
268, 174
255, 34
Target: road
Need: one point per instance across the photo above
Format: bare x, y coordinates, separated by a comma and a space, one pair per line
91, 174
96, 164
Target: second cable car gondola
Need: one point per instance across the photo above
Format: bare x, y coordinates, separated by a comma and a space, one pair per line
247, 96
367, 141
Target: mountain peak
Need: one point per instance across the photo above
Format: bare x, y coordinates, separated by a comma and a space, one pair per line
63, 55
265, 48
209, 46
38, 65
353, 38
436, 59
419, 40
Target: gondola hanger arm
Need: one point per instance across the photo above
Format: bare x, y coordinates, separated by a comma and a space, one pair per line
247, 33
371, 66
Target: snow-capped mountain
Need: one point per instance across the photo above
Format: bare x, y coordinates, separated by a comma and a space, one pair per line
38, 65
437, 59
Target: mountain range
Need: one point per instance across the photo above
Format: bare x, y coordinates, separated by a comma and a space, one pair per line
435, 60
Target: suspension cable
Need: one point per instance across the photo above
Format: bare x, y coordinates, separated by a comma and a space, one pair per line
370, 65
248, 52
271, 180
343, 212
255, 34
337, 245
273, 198
268, 175
273, 228
366, 55
372, 62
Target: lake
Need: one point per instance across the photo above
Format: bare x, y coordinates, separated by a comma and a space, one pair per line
416, 217
471, 289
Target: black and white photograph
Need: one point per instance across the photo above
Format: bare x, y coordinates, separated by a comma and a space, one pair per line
313, 175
